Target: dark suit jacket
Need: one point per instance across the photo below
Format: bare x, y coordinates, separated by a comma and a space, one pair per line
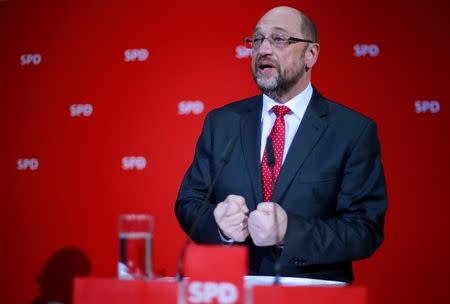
331, 185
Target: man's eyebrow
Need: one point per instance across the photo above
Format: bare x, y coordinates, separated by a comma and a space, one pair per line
279, 29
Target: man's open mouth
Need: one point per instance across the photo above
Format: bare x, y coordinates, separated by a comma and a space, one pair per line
265, 67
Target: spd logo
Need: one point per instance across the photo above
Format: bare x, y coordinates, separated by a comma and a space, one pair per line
77, 110
361, 50
27, 164
30, 59
135, 55
243, 52
134, 162
190, 107
427, 106
212, 292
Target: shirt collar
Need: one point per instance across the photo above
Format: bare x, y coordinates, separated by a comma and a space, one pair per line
297, 104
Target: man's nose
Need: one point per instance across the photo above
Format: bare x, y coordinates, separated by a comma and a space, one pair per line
265, 47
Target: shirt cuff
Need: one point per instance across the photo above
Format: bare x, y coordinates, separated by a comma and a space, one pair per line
225, 239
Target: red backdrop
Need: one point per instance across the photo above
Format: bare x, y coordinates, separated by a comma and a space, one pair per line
102, 103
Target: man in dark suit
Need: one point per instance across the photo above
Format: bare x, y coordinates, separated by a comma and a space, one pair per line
304, 182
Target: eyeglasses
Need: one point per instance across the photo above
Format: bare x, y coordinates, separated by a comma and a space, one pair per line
275, 40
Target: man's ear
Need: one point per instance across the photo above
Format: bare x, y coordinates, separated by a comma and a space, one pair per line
311, 55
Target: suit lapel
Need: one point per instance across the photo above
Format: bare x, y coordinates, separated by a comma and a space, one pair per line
309, 132
251, 145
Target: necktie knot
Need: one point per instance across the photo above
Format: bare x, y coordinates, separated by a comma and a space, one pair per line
280, 111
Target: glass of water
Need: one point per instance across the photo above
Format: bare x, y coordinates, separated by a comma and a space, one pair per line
135, 246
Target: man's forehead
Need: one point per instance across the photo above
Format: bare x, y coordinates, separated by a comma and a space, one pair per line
285, 22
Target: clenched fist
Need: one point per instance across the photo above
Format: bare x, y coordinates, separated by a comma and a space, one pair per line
231, 217
262, 225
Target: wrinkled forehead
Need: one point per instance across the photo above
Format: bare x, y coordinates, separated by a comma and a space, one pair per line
279, 22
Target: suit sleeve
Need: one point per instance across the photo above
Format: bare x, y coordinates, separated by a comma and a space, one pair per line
356, 231
190, 207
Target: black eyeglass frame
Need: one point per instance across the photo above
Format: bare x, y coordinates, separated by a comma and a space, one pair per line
290, 40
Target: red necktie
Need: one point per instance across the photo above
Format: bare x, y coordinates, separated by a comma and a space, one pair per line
277, 135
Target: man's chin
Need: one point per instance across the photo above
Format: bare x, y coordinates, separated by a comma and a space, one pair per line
267, 85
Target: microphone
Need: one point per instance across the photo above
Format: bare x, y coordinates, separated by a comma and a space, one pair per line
224, 159
271, 162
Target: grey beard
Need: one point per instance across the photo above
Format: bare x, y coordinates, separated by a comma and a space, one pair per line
273, 86
279, 84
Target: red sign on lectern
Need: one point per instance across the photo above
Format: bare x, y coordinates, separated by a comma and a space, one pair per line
215, 274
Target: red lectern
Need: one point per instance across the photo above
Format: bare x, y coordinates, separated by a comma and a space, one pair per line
215, 274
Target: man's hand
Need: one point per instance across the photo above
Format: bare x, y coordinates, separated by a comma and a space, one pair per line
261, 224
231, 217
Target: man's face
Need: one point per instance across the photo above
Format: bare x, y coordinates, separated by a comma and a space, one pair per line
278, 69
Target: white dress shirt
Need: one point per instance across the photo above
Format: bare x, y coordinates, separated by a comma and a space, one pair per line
297, 105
